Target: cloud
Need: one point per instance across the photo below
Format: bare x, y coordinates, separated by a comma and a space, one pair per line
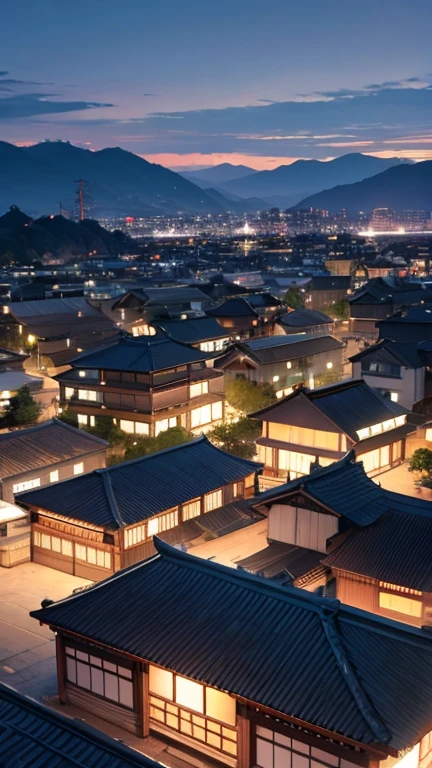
12, 81
29, 104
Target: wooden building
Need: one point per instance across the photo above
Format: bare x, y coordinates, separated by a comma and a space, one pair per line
57, 329
244, 671
237, 316
386, 567
305, 517
321, 425
96, 524
324, 290
136, 309
305, 321
283, 361
44, 454
379, 299
145, 385
204, 333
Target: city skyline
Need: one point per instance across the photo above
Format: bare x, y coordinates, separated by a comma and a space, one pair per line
191, 87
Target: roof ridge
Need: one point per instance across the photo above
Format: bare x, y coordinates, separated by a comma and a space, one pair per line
292, 595
368, 711
81, 432
106, 482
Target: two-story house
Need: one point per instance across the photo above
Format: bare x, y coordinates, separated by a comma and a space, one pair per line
396, 369
321, 425
146, 385
283, 361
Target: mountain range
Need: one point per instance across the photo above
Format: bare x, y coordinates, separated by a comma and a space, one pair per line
217, 174
120, 183
286, 185
403, 187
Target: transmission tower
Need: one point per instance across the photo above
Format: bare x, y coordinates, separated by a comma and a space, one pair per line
83, 200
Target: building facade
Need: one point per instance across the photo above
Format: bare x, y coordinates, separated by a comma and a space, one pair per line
94, 525
322, 425
201, 666
145, 386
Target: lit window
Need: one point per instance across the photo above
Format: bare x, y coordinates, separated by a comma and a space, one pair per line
394, 397
68, 342
54, 476
82, 419
79, 468
26, 485
90, 394
127, 426
69, 392
82, 374
200, 416
162, 523
400, 604
289, 364
193, 509
216, 410
141, 428
189, 694
161, 682
213, 500
400, 420
92, 421
201, 388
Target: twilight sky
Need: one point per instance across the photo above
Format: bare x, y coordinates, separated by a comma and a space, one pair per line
198, 82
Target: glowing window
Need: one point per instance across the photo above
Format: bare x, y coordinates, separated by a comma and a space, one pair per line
189, 694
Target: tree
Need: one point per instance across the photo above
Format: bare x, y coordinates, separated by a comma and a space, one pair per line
421, 461
69, 417
22, 410
142, 446
293, 298
338, 311
237, 438
247, 397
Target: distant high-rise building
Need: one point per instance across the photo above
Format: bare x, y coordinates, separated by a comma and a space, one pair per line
383, 220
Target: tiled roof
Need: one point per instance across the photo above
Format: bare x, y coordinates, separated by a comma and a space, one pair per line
276, 349
135, 490
280, 561
387, 351
193, 330
304, 318
349, 405
342, 487
45, 444
361, 676
33, 736
153, 353
237, 307
396, 548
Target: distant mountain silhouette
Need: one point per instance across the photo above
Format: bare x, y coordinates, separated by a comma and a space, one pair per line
120, 183
238, 204
217, 174
404, 187
290, 183
25, 240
